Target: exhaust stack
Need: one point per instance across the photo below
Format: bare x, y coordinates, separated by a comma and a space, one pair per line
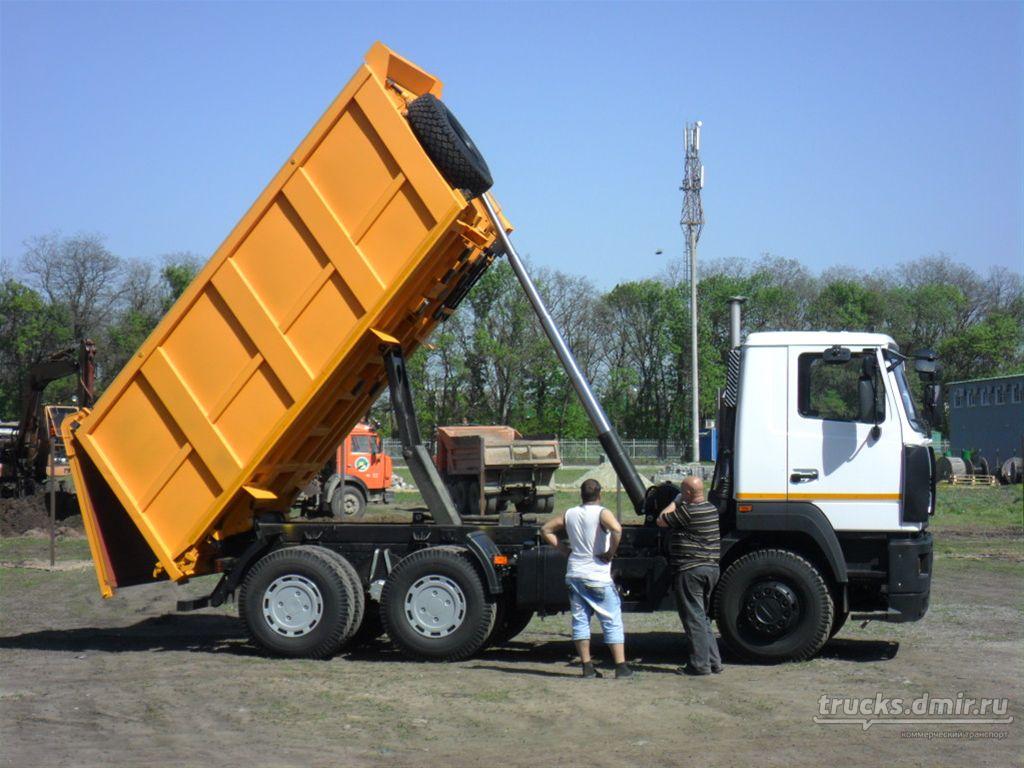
735, 320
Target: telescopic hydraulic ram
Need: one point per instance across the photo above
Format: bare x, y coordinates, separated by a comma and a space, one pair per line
606, 434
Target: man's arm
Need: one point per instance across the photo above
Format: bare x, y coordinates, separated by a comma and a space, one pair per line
663, 517
610, 524
550, 530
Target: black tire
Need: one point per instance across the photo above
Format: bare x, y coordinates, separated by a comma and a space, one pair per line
348, 503
469, 618
312, 565
837, 622
773, 605
358, 594
509, 621
449, 146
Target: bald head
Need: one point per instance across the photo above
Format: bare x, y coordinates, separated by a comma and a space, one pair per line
692, 489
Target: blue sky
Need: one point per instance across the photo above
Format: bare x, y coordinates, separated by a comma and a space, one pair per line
858, 134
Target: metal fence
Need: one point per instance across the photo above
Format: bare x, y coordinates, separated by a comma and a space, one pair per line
588, 451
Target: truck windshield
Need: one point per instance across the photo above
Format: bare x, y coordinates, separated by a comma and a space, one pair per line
906, 394
362, 444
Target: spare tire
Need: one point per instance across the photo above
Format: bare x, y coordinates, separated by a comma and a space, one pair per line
449, 146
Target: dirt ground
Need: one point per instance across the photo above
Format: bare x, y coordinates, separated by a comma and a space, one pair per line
127, 682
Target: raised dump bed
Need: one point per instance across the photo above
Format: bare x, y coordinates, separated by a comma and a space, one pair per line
272, 355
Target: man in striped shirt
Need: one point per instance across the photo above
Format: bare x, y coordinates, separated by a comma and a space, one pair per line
693, 551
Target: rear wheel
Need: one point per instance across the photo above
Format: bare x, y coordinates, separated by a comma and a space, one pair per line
297, 602
773, 605
356, 583
434, 606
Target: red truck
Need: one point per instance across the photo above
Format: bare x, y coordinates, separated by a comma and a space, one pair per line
359, 474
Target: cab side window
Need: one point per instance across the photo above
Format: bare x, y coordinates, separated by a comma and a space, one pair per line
829, 391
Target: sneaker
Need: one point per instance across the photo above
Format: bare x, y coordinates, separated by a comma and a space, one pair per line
686, 669
589, 671
623, 670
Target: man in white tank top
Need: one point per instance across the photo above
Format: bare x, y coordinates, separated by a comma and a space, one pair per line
594, 535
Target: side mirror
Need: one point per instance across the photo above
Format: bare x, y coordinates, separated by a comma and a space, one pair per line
932, 401
836, 354
926, 363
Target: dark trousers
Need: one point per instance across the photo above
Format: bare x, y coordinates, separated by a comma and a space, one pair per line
693, 599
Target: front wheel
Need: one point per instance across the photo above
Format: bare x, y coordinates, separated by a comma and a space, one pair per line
348, 503
773, 605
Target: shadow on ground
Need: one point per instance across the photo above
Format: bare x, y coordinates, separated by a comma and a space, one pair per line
197, 632
204, 633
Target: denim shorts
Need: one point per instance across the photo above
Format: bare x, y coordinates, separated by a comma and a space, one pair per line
587, 599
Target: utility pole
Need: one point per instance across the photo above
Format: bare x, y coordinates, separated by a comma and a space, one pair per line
692, 222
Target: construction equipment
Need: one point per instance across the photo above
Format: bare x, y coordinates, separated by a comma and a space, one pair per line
26, 445
371, 234
487, 468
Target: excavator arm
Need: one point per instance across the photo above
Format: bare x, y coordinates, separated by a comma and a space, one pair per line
30, 448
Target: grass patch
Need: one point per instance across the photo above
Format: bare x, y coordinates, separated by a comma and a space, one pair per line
972, 508
17, 548
1009, 548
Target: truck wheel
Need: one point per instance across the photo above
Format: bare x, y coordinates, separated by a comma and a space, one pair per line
448, 145
434, 607
773, 605
358, 595
348, 503
509, 621
297, 602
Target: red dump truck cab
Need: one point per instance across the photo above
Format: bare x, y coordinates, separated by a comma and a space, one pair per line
360, 474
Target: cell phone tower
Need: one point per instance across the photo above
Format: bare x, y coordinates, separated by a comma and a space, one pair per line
692, 222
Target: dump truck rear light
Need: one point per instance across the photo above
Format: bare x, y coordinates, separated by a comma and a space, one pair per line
500, 559
745, 507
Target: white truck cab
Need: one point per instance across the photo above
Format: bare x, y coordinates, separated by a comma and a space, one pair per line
826, 481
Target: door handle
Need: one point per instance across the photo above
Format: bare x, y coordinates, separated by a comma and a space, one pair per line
803, 475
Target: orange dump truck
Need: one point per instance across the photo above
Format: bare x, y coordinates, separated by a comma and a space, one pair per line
370, 235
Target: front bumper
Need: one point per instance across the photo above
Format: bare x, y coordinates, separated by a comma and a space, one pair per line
909, 583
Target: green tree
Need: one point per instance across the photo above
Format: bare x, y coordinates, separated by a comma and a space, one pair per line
30, 330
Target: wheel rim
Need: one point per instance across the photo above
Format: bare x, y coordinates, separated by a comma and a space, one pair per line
292, 605
435, 606
770, 609
351, 504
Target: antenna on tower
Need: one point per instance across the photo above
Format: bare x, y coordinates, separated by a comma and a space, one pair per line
692, 222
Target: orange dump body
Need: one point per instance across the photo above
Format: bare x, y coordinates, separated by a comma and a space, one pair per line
267, 361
